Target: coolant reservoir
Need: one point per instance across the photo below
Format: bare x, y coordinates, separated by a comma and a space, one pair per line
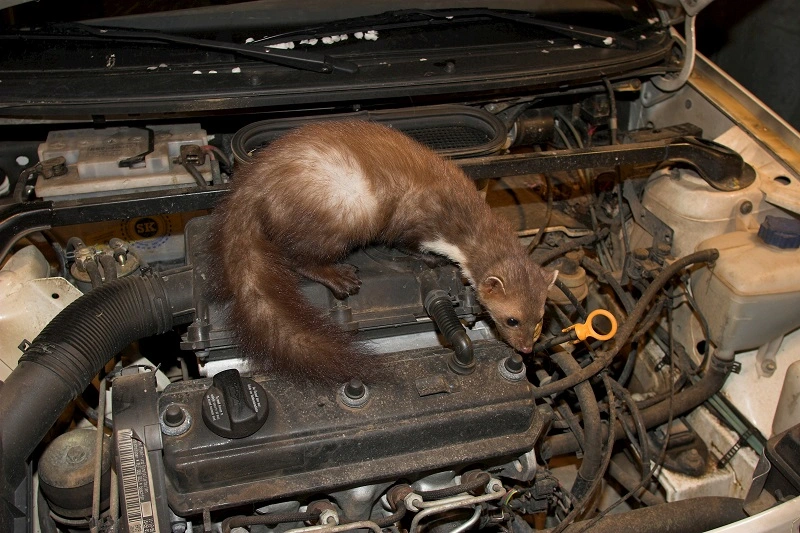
751, 295
696, 211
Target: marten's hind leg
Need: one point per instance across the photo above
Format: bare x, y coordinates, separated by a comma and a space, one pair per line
341, 278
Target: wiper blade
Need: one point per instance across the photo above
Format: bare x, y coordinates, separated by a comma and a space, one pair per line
289, 58
399, 19
590, 36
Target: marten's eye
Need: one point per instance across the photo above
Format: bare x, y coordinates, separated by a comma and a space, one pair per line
513, 322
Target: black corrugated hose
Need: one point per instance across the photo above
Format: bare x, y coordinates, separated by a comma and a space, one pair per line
63, 359
592, 427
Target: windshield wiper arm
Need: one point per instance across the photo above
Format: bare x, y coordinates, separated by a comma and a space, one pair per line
591, 36
405, 18
288, 58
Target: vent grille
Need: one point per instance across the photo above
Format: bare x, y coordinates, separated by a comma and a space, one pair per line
442, 138
451, 130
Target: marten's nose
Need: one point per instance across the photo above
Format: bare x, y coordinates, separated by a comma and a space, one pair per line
526, 349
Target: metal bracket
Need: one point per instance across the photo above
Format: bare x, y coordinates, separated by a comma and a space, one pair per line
661, 232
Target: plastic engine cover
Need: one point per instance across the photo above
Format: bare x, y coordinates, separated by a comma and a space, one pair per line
423, 418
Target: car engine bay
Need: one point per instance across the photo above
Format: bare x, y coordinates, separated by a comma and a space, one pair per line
660, 395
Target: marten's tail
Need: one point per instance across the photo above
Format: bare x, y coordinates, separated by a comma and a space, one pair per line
278, 329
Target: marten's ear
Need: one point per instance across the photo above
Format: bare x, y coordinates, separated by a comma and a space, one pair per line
553, 279
493, 286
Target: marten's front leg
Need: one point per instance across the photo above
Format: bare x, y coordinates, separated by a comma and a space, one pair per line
341, 278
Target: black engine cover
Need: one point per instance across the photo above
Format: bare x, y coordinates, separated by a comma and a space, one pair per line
424, 418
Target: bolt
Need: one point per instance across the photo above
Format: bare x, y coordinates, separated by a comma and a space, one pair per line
514, 364
746, 208
355, 389
76, 455
174, 416
692, 458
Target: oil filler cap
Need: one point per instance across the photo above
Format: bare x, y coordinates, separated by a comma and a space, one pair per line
780, 232
234, 406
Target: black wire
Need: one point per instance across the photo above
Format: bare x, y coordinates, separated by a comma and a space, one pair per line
572, 422
198, 178
574, 244
548, 213
647, 323
604, 276
612, 104
223, 157
573, 300
641, 429
398, 515
704, 325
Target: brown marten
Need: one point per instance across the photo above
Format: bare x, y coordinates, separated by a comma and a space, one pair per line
309, 198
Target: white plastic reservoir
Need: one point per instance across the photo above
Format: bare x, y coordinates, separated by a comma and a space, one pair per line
751, 295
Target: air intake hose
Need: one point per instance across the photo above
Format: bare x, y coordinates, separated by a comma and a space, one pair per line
62, 360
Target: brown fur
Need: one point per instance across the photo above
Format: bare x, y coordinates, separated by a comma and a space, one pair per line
285, 219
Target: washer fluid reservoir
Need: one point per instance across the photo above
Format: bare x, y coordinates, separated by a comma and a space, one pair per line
751, 295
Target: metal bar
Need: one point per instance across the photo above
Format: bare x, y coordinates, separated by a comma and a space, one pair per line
722, 168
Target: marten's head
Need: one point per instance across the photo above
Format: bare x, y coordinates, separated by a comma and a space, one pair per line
514, 294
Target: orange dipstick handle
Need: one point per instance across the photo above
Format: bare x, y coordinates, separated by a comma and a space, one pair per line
584, 331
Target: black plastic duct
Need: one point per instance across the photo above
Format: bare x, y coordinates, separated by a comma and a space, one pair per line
72, 349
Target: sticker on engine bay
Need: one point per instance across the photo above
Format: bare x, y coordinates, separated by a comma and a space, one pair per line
137, 486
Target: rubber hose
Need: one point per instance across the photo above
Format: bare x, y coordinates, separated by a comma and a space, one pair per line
630, 481
440, 309
685, 516
266, 519
592, 427
66, 355
436, 494
657, 414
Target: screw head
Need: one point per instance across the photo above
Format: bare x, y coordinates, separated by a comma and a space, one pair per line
746, 208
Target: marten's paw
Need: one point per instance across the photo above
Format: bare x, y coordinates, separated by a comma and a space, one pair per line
341, 278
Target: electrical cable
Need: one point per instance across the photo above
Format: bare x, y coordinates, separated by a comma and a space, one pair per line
198, 177
574, 244
604, 276
220, 154
706, 330
641, 430
612, 104
548, 213
572, 299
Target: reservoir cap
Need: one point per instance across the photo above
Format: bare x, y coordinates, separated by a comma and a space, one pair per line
781, 232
